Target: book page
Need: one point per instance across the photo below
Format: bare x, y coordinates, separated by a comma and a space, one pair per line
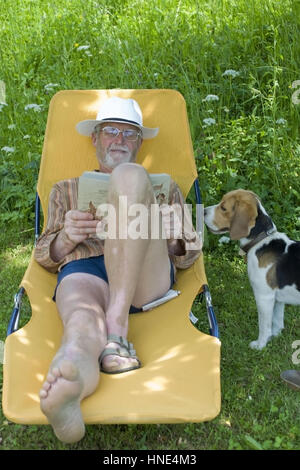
161, 186
93, 189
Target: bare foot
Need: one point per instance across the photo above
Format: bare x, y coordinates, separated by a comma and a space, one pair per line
60, 401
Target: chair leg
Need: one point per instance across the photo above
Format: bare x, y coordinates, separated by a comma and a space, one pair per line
15, 316
214, 330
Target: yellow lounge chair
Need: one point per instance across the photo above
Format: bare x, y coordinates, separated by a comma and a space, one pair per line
180, 377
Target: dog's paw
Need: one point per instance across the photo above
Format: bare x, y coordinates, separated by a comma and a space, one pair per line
256, 345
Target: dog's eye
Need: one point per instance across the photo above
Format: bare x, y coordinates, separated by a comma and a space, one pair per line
223, 208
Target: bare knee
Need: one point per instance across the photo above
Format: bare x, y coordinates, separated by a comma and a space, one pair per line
82, 292
130, 170
131, 178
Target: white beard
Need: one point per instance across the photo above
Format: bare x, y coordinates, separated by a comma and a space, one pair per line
117, 154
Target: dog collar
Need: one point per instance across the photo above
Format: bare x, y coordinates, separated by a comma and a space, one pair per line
261, 236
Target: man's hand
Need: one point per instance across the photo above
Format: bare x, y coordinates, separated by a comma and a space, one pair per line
179, 231
172, 220
79, 226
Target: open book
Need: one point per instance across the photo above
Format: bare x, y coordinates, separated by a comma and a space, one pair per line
93, 189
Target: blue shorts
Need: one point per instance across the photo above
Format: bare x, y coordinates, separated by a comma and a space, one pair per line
95, 265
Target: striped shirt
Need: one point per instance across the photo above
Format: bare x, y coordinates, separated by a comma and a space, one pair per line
63, 197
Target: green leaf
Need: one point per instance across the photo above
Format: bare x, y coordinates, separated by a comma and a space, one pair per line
252, 443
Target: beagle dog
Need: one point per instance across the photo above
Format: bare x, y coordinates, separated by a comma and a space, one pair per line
273, 259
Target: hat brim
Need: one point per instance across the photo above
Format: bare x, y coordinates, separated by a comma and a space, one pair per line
87, 127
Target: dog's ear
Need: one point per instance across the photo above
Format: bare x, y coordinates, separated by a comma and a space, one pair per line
243, 219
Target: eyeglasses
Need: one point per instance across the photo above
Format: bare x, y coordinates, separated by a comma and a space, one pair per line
113, 132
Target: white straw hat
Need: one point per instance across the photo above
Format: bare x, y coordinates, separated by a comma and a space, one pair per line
118, 110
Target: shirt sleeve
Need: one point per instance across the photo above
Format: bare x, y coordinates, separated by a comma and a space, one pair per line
189, 240
56, 215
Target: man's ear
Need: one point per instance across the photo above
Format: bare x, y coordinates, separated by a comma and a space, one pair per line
94, 139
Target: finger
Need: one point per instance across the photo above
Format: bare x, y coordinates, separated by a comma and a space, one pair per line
74, 232
78, 215
81, 224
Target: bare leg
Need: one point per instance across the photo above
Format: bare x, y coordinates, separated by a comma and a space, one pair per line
138, 270
74, 371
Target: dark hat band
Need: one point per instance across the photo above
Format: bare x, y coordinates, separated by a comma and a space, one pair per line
134, 123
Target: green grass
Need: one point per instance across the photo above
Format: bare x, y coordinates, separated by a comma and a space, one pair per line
258, 410
186, 45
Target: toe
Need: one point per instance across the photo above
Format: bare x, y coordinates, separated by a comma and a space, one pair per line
112, 364
68, 370
56, 372
46, 386
51, 378
43, 393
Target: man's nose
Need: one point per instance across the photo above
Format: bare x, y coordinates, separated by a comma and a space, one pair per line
120, 137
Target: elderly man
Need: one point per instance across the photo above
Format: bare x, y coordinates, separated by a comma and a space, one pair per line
100, 282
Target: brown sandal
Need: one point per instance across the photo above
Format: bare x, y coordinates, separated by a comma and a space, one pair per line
125, 349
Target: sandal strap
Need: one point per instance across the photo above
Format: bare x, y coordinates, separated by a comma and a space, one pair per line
126, 349
118, 339
122, 342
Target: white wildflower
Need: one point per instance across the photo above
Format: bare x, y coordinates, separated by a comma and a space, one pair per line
8, 149
11, 126
83, 48
50, 86
223, 240
209, 121
2, 92
36, 107
231, 73
211, 98
281, 121
26, 136
88, 53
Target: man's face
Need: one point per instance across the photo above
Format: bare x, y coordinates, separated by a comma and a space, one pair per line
111, 150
